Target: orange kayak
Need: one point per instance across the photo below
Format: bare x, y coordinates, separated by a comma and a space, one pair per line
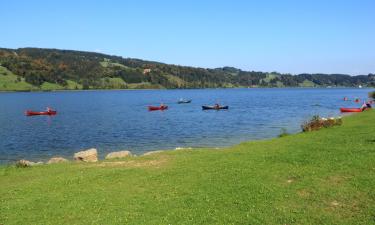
351, 110
153, 108
45, 113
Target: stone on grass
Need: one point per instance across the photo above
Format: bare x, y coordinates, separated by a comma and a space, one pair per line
57, 160
90, 155
118, 155
26, 163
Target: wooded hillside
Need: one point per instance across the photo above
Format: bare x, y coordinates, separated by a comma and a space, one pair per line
52, 69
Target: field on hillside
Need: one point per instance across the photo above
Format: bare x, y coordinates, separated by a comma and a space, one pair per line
323, 177
12, 82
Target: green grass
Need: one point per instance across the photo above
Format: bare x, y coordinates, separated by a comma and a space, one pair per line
176, 80
113, 83
11, 82
107, 63
323, 177
47, 86
72, 85
307, 83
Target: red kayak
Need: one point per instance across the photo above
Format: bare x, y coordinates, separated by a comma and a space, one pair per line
153, 108
351, 110
45, 113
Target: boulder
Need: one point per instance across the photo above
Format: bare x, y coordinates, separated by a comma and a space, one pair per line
26, 163
57, 160
117, 155
90, 155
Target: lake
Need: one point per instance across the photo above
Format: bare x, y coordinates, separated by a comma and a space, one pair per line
119, 120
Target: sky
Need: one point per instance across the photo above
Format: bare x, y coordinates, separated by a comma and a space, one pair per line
288, 36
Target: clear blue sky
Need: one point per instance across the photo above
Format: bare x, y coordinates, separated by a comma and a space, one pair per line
286, 36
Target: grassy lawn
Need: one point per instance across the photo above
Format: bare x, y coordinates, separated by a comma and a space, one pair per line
47, 86
307, 83
324, 177
113, 83
11, 82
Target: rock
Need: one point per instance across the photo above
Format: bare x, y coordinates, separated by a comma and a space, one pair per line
153, 152
57, 160
90, 155
26, 163
118, 155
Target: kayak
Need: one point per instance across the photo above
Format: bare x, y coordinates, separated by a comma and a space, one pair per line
183, 101
351, 110
153, 108
45, 113
204, 107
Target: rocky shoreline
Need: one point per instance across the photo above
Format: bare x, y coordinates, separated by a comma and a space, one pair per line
89, 155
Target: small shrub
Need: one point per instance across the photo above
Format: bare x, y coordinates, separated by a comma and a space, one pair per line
371, 94
317, 123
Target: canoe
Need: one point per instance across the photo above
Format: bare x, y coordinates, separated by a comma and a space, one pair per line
351, 110
44, 113
205, 107
184, 101
153, 108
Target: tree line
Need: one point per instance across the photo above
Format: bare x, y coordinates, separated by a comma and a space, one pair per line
37, 66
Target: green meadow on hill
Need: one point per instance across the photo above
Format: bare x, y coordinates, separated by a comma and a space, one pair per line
41, 69
320, 177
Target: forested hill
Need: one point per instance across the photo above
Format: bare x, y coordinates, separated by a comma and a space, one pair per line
51, 69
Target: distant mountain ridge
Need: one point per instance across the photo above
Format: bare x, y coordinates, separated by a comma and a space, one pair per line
27, 69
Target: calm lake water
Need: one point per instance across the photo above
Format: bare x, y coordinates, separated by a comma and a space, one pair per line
119, 120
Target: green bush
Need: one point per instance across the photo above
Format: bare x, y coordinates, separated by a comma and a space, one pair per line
372, 94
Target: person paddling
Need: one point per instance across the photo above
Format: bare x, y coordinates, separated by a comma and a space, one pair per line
364, 106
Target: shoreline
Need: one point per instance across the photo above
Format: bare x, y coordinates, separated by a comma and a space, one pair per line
140, 150
101, 155
299, 178
166, 89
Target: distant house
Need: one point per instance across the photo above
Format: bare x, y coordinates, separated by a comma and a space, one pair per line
146, 71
